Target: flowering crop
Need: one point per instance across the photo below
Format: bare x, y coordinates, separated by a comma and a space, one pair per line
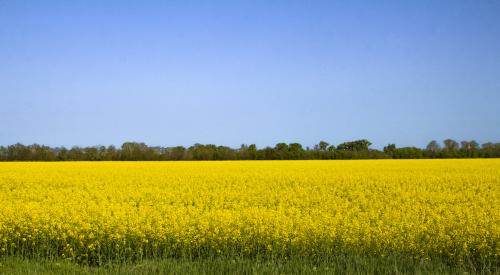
101, 211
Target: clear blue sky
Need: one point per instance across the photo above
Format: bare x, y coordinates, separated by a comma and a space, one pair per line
232, 72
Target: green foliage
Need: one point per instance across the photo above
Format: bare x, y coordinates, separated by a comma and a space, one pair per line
390, 149
341, 264
357, 145
433, 149
358, 149
407, 153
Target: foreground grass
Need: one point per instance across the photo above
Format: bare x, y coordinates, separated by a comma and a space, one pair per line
221, 265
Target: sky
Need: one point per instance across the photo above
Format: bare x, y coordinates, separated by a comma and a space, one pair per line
232, 72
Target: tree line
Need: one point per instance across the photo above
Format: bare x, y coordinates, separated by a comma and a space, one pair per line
358, 149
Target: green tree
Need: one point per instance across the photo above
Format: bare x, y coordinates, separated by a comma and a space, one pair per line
390, 150
177, 153
3, 153
91, 153
469, 149
112, 153
19, 152
433, 149
295, 151
408, 153
357, 145
450, 148
281, 151
490, 150
135, 151
323, 145
252, 151
75, 154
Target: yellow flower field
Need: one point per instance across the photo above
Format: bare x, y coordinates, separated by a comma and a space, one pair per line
99, 211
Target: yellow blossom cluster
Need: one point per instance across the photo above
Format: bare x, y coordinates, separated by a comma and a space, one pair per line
102, 211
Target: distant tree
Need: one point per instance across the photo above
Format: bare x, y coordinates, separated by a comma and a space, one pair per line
101, 152
433, 149
408, 153
390, 149
3, 153
490, 150
266, 153
247, 152
196, 151
376, 154
225, 153
295, 151
177, 153
281, 151
330, 153
358, 149
450, 144
75, 154
19, 152
320, 151
41, 153
252, 151
243, 152
343, 153
469, 149
91, 153
62, 154
204, 152
112, 153
357, 145
450, 148
323, 145
136, 151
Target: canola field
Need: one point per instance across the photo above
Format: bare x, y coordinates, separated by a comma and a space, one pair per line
114, 211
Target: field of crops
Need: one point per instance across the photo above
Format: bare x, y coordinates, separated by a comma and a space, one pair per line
113, 211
